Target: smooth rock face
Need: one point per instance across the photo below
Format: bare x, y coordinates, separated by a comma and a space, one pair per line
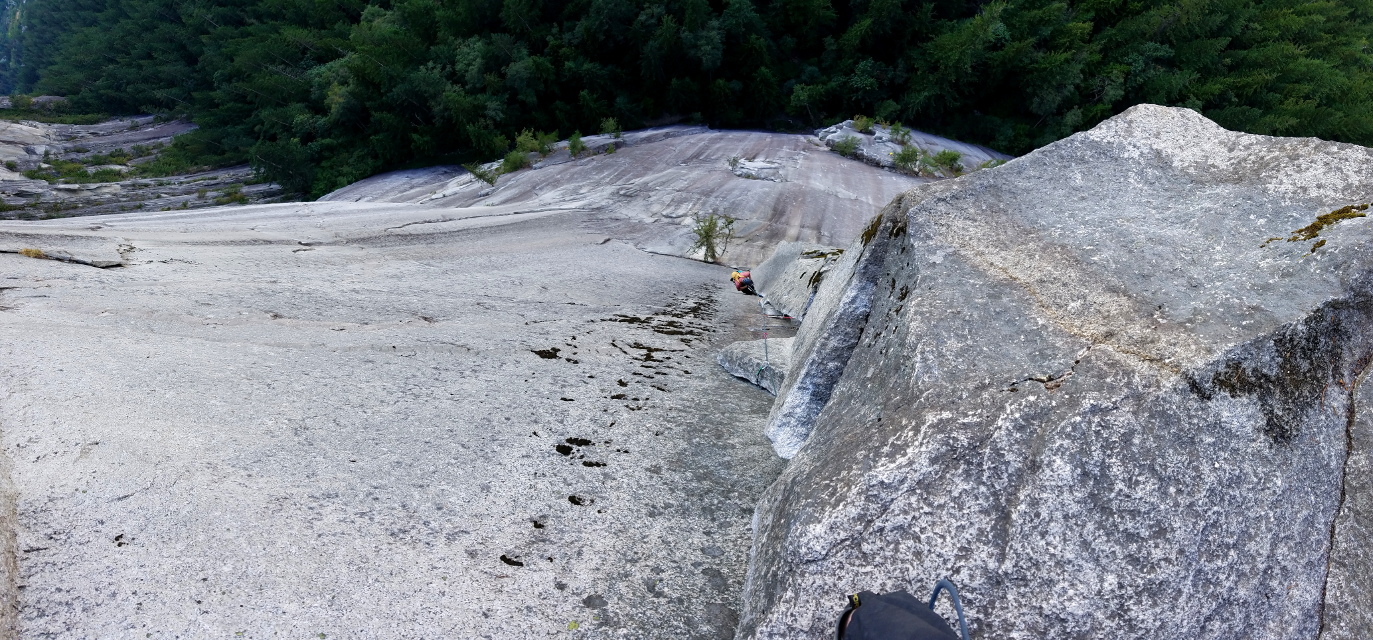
95, 251
1092, 392
407, 185
837, 314
650, 189
789, 278
761, 362
369, 421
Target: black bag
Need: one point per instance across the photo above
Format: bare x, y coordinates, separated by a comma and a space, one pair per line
898, 616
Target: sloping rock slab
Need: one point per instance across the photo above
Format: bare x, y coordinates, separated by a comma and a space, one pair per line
1101, 390
408, 185
789, 278
655, 134
90, 250
341, 403
749, 360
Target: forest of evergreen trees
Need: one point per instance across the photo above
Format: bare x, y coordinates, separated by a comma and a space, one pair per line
319, 93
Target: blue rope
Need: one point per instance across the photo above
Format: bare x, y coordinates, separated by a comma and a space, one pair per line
957, 604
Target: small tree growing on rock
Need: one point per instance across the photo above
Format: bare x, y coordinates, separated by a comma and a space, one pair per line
907, 159
713, 233
575, 146
949, 159
514, 161
848, 146
900, 134
485, 175
546, 141
526, 142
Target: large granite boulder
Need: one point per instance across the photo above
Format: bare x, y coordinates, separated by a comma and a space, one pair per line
836, 313
762, 362
789, 278
1111, 389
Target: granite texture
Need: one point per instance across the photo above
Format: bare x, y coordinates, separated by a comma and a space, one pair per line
837, 315
790, 276
1349, 585
764, 367
1109, 388
356, 420
27, 145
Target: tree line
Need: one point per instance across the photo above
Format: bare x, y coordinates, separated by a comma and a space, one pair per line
320, 93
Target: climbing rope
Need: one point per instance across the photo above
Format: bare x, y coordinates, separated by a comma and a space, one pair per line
957, 604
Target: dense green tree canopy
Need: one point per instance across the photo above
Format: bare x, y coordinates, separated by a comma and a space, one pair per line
318, 93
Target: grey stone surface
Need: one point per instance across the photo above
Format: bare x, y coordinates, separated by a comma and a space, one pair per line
53, 244
762, 362
648, 191
429, 184
757, 170
31, 145
878, 148
1349, 585
835, 320
1092, 392
790, 276
408, 185
367, 420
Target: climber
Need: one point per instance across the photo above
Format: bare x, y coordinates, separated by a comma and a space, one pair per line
743, 282
899, 616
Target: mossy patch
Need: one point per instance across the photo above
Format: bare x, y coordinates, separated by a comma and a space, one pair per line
1310, 231
1290, 375
816, 254
871, 231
